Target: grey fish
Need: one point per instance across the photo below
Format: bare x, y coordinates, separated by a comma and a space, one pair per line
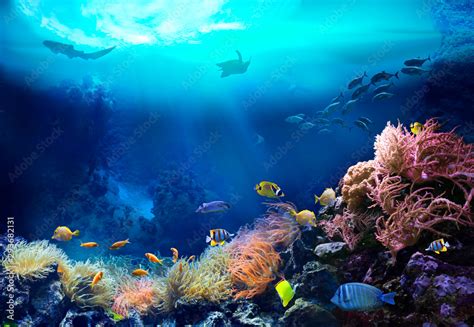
361, 125
332, 107
324, 131
294, 119
360, 91
306, 126
214, 206
382, 96
361, 297
414, 70
417, 62
259, 139
68, 50
356, 81
338, 98
349, 106
338, 121
320, 113
382, 76
232, 67
383, 88
321, 121
365, 120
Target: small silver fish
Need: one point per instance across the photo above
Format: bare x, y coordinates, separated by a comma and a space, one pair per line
383, 75
361, 125
338, 98
360, 91
294, 119
382, 96
365, 120
349, 106
416, 61
383, 88
356, 81
414, 70
306, 126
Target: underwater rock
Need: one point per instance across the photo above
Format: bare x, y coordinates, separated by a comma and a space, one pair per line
75, 317
316, 282
444, 290
248, 314
332, 250
304, 313
295, 256
215, 319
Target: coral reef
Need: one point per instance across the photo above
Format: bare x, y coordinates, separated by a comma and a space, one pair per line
76, 279
33, 260
406, 186
132, 293
356, 184
253, 263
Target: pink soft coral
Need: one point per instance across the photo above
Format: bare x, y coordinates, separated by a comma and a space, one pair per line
134, 294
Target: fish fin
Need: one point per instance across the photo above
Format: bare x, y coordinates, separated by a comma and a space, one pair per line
429, 57
388, 298
222, 243
396, 75
208, 239
437, 252
213, 243
365, 74
444, 249
231, 235
427, 249
316, 199
76, 232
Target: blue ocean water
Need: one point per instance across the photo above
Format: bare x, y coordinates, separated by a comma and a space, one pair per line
174, 133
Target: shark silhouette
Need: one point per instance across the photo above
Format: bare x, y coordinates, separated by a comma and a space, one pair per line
232, 67
68, 50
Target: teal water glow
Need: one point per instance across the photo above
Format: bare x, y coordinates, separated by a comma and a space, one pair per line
171, 47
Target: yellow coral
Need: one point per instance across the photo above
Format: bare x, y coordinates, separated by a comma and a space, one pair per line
207, 279
33, 260
356, 185
76, 281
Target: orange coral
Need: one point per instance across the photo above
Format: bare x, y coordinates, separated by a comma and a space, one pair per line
137, 294
278, 226
253, 263
356, 184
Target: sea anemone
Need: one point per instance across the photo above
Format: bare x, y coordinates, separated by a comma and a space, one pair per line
76, 279
253, 263
138, 294
33, 260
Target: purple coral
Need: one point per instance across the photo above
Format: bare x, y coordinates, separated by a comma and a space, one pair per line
420, 285
446, 310
444, 285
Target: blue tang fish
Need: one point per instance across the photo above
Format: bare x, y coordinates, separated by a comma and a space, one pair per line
361, 297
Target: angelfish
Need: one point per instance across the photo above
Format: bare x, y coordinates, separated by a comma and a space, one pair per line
438, 246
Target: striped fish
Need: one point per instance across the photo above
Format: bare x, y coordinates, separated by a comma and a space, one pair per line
218, 236
361, 297
438, 246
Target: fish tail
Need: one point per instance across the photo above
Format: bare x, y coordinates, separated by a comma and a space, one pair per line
429, 57
365, 74
388, 298
76, 232
316, 199
208, 239
396, 75
292, 212
447, 245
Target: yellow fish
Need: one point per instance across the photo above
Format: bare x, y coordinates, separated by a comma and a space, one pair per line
416, 127
269, 190
140, 272
63, 233
153, 258
97, 278
175, 254
326, 198
191, 258
218, 236
89, 245
119, 244
304, 217
285, 291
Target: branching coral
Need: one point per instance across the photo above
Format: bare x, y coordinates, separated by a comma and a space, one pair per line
76, 281
356, 184
278, 226
138, 294
416, 183
33, 260
253, 263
